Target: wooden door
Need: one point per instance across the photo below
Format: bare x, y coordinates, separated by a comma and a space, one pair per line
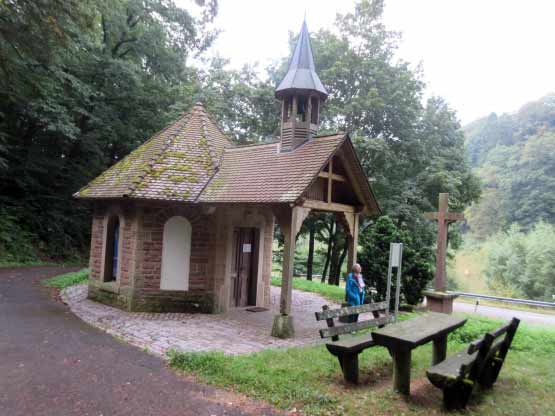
244, 270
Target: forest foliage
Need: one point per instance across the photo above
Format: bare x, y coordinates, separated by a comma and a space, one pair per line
522, 264
513, 156
85, 82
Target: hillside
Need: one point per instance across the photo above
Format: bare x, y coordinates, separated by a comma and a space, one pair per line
514, 156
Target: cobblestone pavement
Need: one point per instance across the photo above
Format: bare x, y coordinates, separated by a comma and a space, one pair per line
236, 332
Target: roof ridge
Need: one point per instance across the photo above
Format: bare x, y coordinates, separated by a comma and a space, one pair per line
215, 122
249, 146
321, 136
209, 143
156, 156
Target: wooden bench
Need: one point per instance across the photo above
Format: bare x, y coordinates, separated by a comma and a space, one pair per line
348, 348
497, 353
458, 375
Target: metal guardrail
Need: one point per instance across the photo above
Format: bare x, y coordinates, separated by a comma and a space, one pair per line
539, 303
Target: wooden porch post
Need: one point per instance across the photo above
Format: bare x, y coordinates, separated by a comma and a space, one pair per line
353, 243
349, 221
287, 266
290, 221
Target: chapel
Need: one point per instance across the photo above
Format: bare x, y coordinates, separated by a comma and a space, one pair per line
185, 222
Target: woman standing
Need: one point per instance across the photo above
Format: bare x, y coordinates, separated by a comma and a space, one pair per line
355, 287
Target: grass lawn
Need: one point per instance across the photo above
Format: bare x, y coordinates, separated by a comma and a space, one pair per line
309, 378
331, 292
69, 279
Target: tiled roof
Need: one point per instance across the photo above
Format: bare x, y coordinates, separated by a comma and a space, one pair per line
262, 174
191, 160
175, 164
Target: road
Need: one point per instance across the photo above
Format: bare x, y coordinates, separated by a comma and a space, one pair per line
505, 313
52, 363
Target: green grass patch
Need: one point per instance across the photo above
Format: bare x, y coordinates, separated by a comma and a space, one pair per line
26, 263
331, 292
309, 378
68, 279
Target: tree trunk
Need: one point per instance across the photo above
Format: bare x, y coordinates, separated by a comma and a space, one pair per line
310, 259
334, 261
341, 260
330, 246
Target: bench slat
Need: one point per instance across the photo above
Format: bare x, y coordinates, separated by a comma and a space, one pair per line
450, 368
349, 328
350, 345
475, 345
350, 310
500, 331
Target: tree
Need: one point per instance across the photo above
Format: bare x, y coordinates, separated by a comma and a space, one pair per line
512, 155
417, 258
83, 83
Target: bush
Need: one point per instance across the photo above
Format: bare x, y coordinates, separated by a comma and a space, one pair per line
523, 263
418, 258
16, 244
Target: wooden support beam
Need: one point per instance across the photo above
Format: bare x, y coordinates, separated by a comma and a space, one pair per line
449, 216
331, 207
290, 221
334, 176
330, 180
353, 243
349, 222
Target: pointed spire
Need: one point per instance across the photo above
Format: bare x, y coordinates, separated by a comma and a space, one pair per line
301, 74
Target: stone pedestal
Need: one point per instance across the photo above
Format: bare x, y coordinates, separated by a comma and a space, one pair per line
283, 327
439, 301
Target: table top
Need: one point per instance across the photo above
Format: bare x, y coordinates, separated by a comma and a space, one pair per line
417, 331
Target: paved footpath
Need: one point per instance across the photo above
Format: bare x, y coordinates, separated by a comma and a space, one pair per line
53, 363
505, 313
235, 332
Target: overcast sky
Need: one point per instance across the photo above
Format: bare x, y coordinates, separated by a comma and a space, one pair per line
480, 55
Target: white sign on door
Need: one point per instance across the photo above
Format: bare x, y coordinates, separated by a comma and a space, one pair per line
246, 248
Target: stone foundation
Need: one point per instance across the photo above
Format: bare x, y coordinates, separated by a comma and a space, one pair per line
153, 302
439, 301
283, 327
110, 297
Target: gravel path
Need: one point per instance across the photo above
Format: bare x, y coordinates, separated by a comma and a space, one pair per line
54, 364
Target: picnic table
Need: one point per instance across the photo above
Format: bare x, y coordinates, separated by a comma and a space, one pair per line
402, 337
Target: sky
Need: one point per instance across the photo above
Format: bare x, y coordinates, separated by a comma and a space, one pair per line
482, 56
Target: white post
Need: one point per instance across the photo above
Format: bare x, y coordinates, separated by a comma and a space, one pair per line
395, 259
388, 287
398, 288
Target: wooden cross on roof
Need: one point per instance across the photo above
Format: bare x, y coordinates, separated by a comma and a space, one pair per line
443, 218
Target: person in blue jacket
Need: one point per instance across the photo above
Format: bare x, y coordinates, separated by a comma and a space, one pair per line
355, 287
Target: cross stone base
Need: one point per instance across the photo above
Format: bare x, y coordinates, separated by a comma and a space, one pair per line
439, 301
283, 327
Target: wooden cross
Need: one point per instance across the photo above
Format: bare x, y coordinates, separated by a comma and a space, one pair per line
443, 218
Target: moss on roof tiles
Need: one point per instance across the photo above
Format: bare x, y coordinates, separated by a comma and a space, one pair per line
176, 162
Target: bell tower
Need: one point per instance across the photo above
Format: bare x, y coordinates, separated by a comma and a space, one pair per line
301, 94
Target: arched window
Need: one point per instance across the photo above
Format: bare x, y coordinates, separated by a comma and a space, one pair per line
111, 254
176, 254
